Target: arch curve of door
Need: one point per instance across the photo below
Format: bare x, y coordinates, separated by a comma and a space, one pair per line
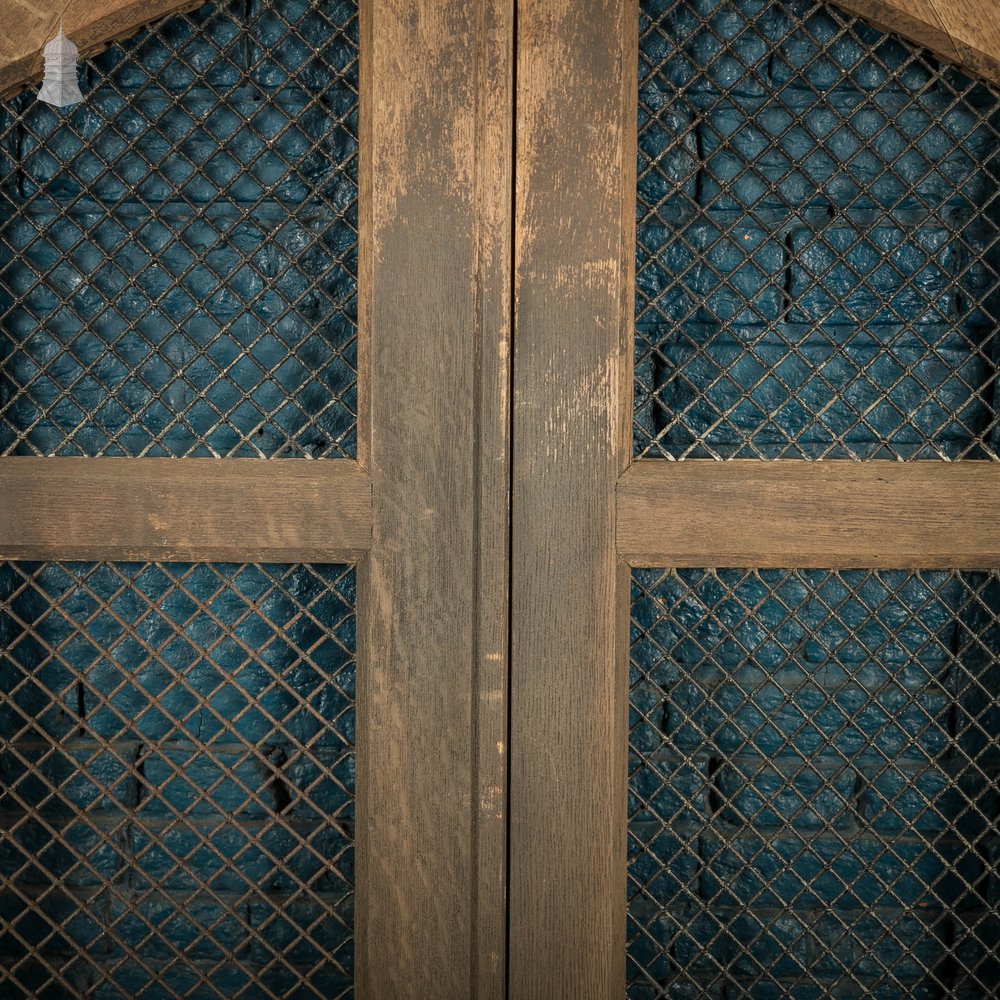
26, 25
963, 32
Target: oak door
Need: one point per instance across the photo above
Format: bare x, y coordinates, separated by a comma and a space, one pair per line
254, 505
754, 550
303, 543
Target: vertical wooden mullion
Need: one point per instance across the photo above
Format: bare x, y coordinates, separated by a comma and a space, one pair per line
574, 249
433, 429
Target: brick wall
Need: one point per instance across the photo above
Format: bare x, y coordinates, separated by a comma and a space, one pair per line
814, 806
178, 780
178, 254
818, 265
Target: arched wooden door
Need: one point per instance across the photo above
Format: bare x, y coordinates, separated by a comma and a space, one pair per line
254, 500
754, 548
349, 420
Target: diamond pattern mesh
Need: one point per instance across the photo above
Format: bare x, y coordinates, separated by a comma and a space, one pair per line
818, 257
176, 781
814, 785
178, 253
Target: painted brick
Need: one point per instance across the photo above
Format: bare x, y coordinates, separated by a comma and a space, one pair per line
841, 989
669, 789
807, 720
729, 273
896, 275
318, 795
203, 783
240, 857
174, 825
664, 862
748, 943
758, 793
651, 930
858, 872
907, 942
796, 140
243, 980
199, 927
42, 704
928, 798
31, 855
80, 775
675, 183
53, 925
185, 169
874, 898
676, 989
32, 980
256, 783
135, 979
301, 930
774, 619
990, 850
976, 942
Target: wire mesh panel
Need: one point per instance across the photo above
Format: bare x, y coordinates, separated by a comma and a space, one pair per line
176, 780
814, 784
178, 252
818, 259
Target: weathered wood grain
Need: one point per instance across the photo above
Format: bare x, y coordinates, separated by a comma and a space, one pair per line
435, 229
965, 32
193, 509
26, 25
574, 239
792, 514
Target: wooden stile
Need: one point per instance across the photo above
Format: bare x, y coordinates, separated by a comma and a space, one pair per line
574, 215
432, 664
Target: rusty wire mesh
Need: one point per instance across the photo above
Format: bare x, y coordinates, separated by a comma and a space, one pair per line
814, 785
178, 252
818, 260
176, 781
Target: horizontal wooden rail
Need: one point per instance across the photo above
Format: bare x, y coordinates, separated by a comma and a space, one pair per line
189, 509
797, 514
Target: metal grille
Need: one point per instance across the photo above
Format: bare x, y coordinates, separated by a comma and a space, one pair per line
814, 784
178, 253
818, 259
176, 781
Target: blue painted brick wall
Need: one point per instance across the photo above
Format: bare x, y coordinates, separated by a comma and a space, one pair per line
813, 797
177, 780
818, 259
178, 253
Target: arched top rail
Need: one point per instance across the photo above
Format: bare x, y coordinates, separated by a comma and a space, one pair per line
26, 25
963, 32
